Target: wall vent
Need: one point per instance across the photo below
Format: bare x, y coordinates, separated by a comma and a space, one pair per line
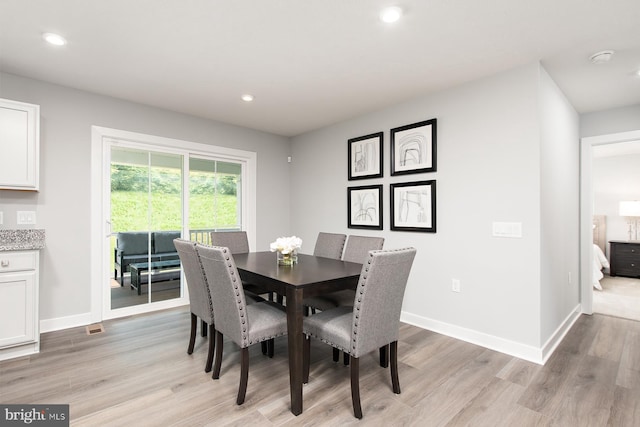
95, 329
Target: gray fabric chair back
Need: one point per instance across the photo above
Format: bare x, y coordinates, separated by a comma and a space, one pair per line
358, 247
236, 241
199, 295
329, 245
378, 302
227, 293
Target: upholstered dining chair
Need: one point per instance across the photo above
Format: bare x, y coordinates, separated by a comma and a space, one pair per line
200, 303
329, 245
374, 320
243, 324
356, 250
238, 243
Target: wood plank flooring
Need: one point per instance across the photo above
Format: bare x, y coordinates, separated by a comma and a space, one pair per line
138, 373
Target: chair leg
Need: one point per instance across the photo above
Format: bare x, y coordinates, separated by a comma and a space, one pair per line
355, 387
212, 346
192, 336
394, 367
264, 348
218, 364
203, 329
271, 344
306, 356
384, 356
345, 359
336, 354
244, 375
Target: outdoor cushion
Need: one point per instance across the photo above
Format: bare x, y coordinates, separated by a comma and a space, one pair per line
163, 241
133, 242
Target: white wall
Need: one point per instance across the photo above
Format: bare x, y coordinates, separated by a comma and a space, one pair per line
606, 122
63, 203
615, 179
489, 169
560, 207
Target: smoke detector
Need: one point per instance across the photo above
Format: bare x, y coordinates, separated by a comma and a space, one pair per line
601, 57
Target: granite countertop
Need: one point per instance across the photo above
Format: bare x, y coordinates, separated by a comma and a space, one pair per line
21, 240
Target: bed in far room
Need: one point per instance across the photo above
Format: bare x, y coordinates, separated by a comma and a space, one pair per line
600, 260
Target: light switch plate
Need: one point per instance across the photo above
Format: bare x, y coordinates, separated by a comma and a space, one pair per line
26, 217
1, 217
507, 229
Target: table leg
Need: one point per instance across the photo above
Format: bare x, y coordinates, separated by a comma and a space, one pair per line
135, 278
294, 330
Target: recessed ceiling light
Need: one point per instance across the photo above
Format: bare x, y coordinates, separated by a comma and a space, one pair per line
601, 57
247, 97
54, 39
390, 14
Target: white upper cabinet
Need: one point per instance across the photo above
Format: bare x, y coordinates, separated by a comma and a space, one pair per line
19, 145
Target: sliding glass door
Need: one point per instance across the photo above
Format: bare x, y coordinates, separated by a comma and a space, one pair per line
146, 215
146, 191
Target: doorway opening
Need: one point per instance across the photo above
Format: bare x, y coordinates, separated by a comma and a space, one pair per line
593, 206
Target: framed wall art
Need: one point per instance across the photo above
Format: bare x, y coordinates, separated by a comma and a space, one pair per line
365, 157
413, 148
364, 205
413, 206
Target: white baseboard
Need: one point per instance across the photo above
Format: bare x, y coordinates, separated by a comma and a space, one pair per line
512, 348
50, 325
556, 338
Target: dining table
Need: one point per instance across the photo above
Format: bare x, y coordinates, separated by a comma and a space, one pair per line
309, 276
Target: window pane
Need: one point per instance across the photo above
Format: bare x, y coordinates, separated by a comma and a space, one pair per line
214, 197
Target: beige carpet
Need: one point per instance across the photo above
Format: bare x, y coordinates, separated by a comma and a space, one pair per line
620, 297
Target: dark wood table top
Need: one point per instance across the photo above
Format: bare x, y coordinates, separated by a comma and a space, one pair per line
310, 270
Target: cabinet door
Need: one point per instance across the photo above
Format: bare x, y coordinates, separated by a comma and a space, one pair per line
17, 308
19, 144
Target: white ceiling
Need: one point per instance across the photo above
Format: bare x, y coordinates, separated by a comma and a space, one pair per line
311, 63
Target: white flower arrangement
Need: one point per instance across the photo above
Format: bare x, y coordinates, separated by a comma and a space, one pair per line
286, 245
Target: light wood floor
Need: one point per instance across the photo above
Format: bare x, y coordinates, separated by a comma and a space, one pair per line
137, 373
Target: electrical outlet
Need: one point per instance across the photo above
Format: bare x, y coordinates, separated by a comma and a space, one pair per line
455, 285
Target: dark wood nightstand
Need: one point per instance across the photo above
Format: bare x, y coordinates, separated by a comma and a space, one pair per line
625, 258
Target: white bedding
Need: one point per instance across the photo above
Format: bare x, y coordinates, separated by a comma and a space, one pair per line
599, 262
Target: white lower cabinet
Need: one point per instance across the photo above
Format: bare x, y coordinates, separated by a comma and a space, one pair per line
19, 322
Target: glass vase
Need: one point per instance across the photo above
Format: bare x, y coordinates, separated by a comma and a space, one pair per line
288, 258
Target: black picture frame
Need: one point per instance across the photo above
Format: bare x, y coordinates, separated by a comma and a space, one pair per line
364, 207
413, 148
413, 206
365, 156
